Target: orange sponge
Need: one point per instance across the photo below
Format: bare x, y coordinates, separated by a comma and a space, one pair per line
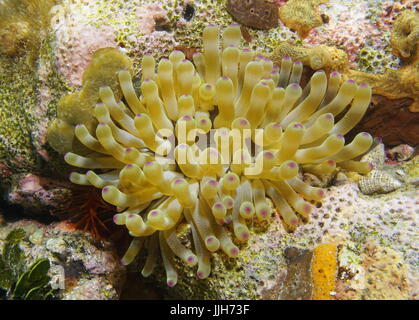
324, 271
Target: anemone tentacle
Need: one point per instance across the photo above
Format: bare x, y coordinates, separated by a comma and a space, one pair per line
211, 141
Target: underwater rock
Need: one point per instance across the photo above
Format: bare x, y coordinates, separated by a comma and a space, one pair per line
37, 195
80, 268
298, 282
301, 15
391, 120
374, 272
259, 14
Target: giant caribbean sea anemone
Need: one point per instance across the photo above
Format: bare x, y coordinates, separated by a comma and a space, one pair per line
216, 142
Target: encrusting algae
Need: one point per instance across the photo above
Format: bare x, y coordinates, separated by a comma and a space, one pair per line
217, 142
259, 14
301, 15
21, 24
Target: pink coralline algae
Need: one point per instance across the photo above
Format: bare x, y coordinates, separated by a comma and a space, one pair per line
280, 3
38, 194
75, 46
391, 9
150, 16
349, 30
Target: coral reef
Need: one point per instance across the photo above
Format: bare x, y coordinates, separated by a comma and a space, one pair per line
391, 9
301, 15
80, 267
24, 114
260, 14
401, 83
29, 93
81, 27
84, 42
174, 125
41, 63
372, 60
392, 90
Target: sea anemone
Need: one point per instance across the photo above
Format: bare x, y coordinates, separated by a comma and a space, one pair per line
217, 142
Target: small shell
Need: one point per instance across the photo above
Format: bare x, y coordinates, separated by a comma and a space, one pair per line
401, 152
378, 182
376, 156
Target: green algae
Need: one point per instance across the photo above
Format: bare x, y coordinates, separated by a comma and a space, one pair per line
18, 95
25, 78
17, 281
